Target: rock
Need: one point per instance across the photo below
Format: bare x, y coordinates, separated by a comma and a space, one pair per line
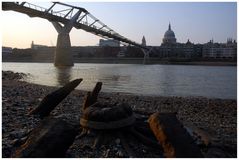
106, 153
18, 134
215, 116
6, 152
215, 153
144, 151
115, 148
23, 140
14, 142
3, 130
120, 154
117, 141
86, 147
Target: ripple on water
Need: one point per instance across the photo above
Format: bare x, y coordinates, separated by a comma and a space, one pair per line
164, 80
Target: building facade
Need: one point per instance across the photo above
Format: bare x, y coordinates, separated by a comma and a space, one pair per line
170, 48
6, 50
109, 42
37, 46
220, 50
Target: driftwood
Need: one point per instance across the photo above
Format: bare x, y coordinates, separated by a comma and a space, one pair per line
50, 139
53, 99
91, 97
175, 140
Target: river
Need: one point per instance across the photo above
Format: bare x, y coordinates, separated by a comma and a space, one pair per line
160, 80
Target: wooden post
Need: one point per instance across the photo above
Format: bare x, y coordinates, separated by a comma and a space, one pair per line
53, 99
91, 97
175, 140
50, 139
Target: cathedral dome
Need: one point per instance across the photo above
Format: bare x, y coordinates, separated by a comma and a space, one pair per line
169, 36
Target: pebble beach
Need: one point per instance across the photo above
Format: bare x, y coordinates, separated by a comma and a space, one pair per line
216, 117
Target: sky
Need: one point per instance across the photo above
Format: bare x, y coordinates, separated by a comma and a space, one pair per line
197, 21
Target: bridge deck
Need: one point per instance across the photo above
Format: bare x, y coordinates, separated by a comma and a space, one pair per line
40, 12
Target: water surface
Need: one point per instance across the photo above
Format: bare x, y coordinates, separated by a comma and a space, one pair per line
163, 80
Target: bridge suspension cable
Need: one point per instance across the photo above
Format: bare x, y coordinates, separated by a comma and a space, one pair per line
63, 13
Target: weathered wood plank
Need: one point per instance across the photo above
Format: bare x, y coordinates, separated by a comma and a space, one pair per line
50, 139
91, 97
175, 140
53, 99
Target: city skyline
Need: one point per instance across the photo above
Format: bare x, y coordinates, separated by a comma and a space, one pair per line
197, 21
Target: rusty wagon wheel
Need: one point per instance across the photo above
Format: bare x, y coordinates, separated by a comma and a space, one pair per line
103, 117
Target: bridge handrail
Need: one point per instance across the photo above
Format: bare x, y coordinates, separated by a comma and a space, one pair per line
32, 6
98, 27
42, 9
39, 8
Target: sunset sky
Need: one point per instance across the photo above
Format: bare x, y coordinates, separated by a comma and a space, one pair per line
198, 22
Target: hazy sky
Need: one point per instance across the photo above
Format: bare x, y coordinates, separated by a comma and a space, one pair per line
198, 22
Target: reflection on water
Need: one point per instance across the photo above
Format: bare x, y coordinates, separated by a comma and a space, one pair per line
63, 75
167, 76
164, 80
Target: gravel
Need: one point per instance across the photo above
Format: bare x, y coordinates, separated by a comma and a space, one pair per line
217, 117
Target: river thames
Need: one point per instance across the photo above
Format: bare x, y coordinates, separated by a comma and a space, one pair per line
160, 80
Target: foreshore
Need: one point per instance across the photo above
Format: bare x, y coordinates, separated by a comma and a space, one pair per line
217, 117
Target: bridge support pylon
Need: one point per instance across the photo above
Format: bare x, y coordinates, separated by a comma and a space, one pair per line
146, 55
63, 54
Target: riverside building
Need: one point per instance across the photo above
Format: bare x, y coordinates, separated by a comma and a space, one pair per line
6, 50
170, 48
109, 42
226, 50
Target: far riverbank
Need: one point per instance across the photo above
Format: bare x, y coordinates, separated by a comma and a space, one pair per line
123, 61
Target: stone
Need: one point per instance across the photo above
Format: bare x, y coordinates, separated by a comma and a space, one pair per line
6, 152
18, 133
120, 154
14, 142
215, 153
23, 140
117, 141
106, 153
3, 130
